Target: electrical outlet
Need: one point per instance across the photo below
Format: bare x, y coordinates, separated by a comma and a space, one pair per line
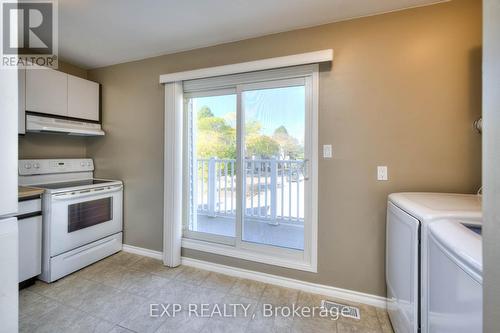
382, 173
327, 151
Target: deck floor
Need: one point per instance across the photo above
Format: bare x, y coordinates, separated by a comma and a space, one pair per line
283, 235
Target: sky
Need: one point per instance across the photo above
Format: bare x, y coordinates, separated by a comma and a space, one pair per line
272, 108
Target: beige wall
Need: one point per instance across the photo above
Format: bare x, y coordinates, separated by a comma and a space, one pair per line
33, 145
403, 91
68, 68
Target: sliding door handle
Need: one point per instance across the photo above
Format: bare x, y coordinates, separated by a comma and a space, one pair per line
306, 169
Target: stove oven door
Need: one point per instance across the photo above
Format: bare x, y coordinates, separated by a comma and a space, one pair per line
81, 217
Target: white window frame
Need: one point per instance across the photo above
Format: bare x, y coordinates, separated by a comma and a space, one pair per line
305, 260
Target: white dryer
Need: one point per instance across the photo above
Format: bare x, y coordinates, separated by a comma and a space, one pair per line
408, 216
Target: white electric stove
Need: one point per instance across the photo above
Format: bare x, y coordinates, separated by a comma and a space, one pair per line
82, 216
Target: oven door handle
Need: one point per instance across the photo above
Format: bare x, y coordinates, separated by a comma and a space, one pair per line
86, 193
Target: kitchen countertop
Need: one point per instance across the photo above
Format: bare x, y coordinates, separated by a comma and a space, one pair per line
25, 192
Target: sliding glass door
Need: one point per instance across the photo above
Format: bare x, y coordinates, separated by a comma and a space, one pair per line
274, 165
248, 154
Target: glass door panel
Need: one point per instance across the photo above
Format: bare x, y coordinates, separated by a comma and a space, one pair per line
273, 162
211, 152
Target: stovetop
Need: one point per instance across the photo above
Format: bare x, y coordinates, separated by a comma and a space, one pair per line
76, 183
61, 175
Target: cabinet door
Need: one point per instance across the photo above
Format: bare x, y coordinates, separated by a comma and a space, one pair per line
30, 247
8, 142
47, 91
9, 290
83, 98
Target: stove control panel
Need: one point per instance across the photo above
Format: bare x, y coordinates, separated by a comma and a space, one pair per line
51, 166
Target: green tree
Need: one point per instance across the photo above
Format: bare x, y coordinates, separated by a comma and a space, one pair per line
289, 146
205, 112
215, 138
262, 146
252, 128
281, 131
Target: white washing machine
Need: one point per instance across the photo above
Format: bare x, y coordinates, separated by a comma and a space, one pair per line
408, 216
455, 277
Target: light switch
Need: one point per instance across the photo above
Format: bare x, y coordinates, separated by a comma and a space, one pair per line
382, 173
327, 151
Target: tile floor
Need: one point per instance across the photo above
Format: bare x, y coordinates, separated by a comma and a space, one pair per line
115, 295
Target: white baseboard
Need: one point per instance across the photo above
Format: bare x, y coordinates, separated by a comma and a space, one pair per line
142, 251
345, 294
329, 291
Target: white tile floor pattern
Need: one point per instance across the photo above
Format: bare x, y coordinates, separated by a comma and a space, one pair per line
114, 295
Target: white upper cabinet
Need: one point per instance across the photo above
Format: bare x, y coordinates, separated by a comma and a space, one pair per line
47, 92
51, 92
83, 98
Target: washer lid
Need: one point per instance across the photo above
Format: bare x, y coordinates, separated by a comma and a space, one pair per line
430, 206
463, 245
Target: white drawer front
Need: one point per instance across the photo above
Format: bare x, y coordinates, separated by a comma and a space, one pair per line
78, 258
29, 206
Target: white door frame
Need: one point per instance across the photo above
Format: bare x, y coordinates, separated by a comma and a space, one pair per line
173, 159
306, 259
491, 164
172, 190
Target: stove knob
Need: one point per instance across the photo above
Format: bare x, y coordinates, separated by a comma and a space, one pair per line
82, 164
89, 164
27, 166
36, 166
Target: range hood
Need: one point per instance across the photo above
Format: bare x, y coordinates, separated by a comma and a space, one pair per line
62, 126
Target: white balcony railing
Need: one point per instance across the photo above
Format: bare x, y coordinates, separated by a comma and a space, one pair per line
274, 189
